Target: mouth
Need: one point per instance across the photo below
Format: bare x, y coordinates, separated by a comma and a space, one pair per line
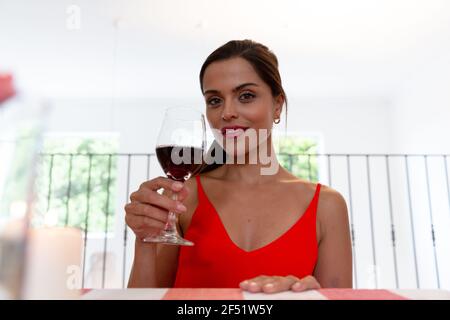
233, 131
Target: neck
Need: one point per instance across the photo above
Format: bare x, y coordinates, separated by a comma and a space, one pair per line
255, 173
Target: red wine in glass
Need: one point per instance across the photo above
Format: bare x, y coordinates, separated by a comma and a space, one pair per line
190, 161
180, 147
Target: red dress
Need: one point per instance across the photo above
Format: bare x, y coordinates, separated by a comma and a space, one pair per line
215, 261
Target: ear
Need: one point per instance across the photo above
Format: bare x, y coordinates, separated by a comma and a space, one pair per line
278, 104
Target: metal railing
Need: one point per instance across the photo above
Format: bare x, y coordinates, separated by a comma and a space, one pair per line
395, 203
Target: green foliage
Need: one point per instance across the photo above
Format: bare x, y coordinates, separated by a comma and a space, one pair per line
297, 155
90, 174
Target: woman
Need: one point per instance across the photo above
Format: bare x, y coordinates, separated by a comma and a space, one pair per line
261, 232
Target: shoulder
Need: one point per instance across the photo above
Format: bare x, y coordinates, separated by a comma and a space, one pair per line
331, 206
331, 200
332, 213
332, 210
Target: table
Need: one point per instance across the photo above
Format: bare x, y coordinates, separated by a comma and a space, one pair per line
237, 294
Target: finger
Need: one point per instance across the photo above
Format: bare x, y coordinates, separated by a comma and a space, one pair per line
307, 283
146, 232
140, 222
178, 188
183, 193
244, 284
151, 197
142, 209
162, 182
254, 284
278, 284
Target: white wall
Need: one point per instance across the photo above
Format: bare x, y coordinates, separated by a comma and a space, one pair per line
421, 112
347, 124
420, 125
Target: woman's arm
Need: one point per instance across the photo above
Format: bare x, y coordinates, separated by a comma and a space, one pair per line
143, 272
334, 264
155, 265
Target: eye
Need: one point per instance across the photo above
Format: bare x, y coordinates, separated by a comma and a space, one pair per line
246, 96
213, 101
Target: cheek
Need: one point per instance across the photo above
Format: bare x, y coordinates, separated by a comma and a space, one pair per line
213, 117
260, 115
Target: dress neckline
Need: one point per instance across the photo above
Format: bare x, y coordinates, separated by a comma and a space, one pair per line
271, 243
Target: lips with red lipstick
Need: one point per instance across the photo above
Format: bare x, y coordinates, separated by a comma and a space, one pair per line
233, 131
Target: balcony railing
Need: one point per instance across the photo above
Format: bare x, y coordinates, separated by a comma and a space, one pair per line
398, 205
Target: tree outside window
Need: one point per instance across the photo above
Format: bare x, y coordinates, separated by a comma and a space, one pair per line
298, 154
77, 179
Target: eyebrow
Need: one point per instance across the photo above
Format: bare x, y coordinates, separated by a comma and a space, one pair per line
239, 87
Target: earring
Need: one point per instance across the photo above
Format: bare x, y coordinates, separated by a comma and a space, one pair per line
277, 121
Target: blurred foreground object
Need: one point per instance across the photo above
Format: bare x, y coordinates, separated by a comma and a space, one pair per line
21, 128
53, 263
6, 87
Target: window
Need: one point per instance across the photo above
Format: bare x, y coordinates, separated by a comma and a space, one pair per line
298, 154
77, 179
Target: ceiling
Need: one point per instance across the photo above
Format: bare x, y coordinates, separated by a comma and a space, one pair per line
144, 48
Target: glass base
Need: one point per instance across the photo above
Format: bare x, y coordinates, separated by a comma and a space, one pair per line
168, 238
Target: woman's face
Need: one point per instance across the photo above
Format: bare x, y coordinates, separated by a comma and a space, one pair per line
239, 104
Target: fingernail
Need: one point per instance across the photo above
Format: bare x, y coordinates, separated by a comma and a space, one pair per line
177, 185
181, 207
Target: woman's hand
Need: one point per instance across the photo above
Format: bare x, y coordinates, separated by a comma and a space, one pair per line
148, 210
273, 284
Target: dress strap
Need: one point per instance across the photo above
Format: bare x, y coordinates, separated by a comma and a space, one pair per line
316, 194
200, 191
315, 201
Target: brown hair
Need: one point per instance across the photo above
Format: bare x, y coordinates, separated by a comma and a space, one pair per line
263, 61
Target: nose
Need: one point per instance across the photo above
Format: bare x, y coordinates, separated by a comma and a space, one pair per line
229, 111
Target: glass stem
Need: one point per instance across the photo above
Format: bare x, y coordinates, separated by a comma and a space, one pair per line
172, 218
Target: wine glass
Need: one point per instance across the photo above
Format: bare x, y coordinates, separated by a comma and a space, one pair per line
180, 149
